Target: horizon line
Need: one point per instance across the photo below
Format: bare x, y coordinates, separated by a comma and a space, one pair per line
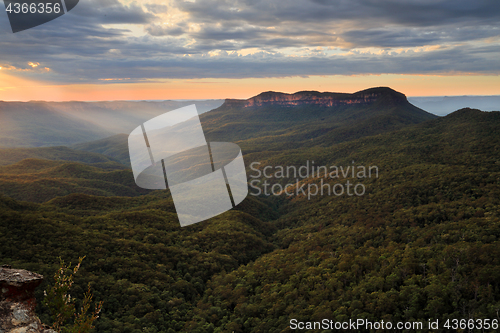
209, 99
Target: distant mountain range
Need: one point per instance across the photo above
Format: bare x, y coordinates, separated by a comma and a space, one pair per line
443, 105
304, 115
38, 124
277, 121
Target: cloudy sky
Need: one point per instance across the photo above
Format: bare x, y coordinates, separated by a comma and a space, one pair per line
155, 49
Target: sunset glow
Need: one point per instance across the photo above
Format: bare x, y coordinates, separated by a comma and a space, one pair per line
166, 49
17, 89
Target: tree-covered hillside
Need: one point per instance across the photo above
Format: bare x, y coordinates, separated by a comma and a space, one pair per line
148, 271
38, 180
423, 243
60, 153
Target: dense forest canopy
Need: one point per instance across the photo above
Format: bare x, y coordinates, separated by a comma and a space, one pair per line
422, 242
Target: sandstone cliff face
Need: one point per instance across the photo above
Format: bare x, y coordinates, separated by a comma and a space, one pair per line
304, 98
316, 98
17, 301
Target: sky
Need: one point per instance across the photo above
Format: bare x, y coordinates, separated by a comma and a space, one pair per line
212, 49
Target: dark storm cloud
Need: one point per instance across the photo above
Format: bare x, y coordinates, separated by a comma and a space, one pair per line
86, 46
454, 60
79, 37
405, 12
411, 37
395, 23
250, 33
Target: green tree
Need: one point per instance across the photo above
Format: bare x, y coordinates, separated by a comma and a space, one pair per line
62, 306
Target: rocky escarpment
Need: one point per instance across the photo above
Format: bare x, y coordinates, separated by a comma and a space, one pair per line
17, 301
321, 99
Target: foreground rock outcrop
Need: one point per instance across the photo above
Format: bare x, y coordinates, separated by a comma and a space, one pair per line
17, 301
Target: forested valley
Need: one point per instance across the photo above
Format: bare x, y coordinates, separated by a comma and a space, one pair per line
422, 242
